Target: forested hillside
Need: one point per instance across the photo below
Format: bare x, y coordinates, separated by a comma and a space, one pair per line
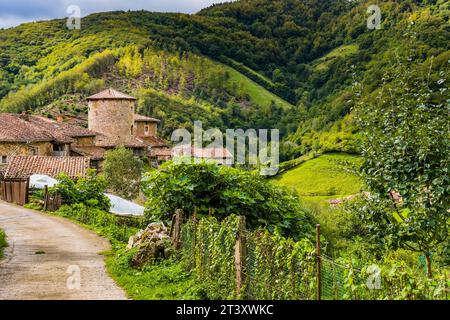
251, 63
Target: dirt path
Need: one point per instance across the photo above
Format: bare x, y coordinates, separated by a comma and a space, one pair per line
45, 256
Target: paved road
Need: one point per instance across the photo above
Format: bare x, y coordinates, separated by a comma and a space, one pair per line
45, 256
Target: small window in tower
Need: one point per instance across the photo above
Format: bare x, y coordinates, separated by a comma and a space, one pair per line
4, 159
132, 130
146, 129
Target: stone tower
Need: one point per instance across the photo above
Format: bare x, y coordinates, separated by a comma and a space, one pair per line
111, 113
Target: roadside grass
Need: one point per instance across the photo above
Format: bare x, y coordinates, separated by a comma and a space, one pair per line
163, 280
3, 243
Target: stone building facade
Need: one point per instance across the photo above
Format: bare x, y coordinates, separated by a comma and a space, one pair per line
112, 122
112, 113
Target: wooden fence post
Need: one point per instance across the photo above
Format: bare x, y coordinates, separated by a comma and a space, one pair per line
45, 197
319, 263
240, 256
176, 228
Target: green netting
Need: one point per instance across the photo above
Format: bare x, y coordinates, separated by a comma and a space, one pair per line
279, 268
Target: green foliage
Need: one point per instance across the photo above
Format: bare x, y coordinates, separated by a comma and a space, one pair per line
306, 56
84, 190
166, 280
201, 186
405, 151
122, 171
3, 242
397, 281
327, 175
101, 221
275, 268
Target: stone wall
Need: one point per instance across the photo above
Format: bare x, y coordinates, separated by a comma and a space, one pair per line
24, 149
113, 118
84, 141
140, 128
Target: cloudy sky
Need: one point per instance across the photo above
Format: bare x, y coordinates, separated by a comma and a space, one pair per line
15, 12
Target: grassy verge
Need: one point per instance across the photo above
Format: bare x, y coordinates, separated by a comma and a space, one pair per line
3, 242
164, 280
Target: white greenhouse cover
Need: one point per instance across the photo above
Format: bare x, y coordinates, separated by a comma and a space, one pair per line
124, 207
119, 206
39, 181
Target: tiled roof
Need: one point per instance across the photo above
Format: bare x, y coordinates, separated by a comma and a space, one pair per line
110, 94
28, 128
206, 153
140, 118
16, 128
63, 132
25, 166
154, 141
108, 142
94, 153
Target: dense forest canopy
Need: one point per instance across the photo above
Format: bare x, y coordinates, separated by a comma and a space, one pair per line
289, 64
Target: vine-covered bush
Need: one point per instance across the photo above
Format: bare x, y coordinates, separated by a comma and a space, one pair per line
85, 190
278, 268
275, 267
222, 191
208, 250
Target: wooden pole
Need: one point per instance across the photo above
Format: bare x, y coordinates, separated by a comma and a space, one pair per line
428, 259
45, 197
177, 229
319, 263
240, 257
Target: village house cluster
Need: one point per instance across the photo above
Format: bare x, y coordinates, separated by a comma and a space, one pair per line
33, 144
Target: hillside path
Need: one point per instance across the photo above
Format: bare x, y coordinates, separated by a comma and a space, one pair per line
45, 256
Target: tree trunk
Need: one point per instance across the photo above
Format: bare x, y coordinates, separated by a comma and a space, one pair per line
429, 273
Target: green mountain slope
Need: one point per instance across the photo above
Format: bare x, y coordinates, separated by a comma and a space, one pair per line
287, 64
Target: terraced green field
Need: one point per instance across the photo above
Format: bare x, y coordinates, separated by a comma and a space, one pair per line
326, 177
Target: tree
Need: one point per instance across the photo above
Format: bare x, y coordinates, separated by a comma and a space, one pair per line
221, 191
406, 158
88, 190
123, 172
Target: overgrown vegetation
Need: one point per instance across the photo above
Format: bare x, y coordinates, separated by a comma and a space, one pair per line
88, 191
306, 56
3, 242
406, 159
208, 189
122, 171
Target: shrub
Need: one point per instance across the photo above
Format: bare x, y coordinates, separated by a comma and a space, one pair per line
222, 191
123, 172
86, 190
103, 222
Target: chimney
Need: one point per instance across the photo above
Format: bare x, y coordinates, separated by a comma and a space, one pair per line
59, 118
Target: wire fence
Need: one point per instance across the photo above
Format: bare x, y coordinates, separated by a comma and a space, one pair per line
234, 263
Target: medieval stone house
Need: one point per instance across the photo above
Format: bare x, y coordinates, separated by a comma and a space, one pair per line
112, 122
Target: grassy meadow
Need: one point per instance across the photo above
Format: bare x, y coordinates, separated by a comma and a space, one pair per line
329, 176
